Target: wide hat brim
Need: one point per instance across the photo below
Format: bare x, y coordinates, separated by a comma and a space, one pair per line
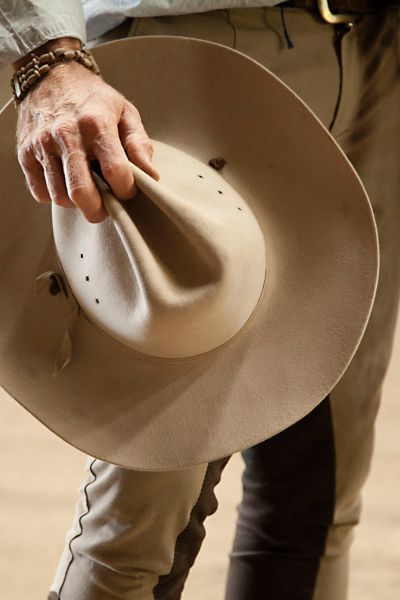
322, 255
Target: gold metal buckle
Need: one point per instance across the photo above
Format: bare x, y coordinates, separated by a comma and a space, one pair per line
329, 17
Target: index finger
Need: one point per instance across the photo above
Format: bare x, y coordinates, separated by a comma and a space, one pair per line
80, 186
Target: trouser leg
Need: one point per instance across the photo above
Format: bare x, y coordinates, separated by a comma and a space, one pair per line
135, 534
319, 559
288, 499
254, 32
283, 549
368, 129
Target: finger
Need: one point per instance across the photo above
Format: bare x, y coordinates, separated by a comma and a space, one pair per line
136, 142
114, 163
34, 175
79, 184
81, 188
54, 176
46, 152
101, 141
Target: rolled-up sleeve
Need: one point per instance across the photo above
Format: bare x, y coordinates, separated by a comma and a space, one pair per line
27, 24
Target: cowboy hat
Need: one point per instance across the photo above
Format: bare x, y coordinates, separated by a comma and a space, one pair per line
214, 309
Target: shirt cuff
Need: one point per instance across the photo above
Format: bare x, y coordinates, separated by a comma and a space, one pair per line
22, 32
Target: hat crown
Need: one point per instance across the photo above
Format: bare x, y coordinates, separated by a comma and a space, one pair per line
178, 270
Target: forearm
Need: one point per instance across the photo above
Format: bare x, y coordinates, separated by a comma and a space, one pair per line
26, 25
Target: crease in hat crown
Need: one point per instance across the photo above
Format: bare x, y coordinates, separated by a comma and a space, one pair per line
178, 270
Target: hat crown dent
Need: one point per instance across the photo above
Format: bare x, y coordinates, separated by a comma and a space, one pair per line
177, 271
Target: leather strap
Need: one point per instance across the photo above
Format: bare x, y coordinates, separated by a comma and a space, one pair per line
358, 7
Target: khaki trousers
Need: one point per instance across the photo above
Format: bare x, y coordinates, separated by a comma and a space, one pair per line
135, 535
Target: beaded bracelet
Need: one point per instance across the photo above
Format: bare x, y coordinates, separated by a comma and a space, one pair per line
29, 75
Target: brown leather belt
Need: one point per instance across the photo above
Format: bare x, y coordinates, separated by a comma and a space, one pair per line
341, 11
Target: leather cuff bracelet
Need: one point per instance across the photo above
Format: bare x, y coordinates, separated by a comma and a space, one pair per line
39, 66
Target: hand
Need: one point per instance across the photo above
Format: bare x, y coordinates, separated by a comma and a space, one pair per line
67, 120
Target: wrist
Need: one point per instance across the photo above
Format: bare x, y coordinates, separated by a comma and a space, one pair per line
50, 45
39, 64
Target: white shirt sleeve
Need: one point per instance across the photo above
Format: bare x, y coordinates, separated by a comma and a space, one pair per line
27, 24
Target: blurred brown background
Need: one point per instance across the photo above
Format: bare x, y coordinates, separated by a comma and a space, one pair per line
40, 476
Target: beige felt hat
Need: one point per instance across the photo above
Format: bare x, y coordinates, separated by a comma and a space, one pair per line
218, 306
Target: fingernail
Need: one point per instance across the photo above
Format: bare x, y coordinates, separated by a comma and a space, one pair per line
153, 171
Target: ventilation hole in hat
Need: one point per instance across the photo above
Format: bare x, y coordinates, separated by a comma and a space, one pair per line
201, 176
220, 192
97, 301
81, 255
87, 277
238, 207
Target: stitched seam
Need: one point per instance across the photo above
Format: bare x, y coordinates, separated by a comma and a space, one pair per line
80, 525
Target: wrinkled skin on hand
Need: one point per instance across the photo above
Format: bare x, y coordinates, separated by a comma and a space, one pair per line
69, 119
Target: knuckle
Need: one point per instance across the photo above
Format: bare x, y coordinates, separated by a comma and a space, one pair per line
92, 122
25, 155
91, 208
94, 218
148, 146
136, 116
139, 141
73, 159
76, 193
61, 201
37, 190
63, 130
41, 145
113, 169
93, 213
143, 141
131, 108
44, 138
47, 161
